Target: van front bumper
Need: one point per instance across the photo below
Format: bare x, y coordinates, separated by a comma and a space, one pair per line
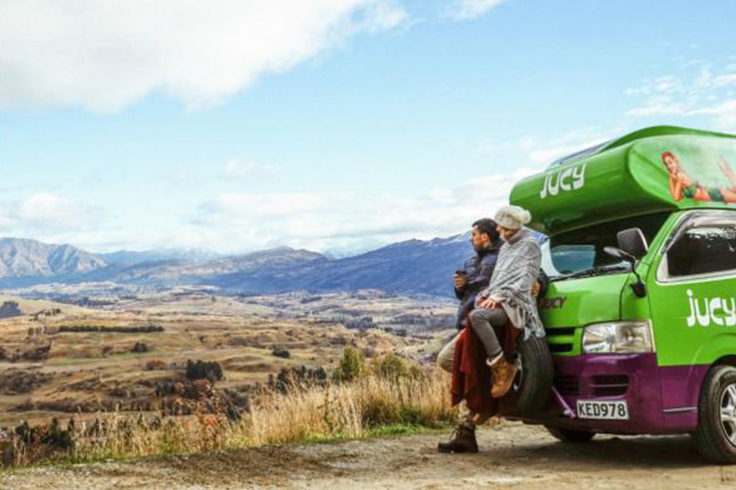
633, 378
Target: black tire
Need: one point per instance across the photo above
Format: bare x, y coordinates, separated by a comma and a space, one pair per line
715, 437
533, 384
570, 435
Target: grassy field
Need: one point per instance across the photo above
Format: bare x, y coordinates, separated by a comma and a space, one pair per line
83, 374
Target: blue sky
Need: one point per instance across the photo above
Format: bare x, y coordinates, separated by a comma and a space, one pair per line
326, 124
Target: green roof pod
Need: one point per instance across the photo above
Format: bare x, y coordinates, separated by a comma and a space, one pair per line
650, 170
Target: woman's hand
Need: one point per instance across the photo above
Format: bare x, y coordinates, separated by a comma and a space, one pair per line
488, 304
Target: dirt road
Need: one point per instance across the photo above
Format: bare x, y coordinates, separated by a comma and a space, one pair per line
512, 455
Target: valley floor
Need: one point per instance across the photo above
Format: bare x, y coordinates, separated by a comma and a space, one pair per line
512, 456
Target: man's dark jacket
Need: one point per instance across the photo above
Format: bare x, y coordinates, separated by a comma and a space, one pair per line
480, 269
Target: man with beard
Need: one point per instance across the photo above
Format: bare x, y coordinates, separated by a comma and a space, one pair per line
469, 282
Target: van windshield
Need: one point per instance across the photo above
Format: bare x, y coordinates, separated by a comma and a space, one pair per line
580, 252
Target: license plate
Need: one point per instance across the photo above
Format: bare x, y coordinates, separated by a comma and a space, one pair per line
589, 409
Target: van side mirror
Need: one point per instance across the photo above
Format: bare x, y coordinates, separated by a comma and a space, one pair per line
633, 242
620, 254
639, 288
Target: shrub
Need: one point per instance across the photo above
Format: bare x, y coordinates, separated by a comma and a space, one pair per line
283, 353
297, 378
37, 354
51, 435
380, 411
211, 371
113, 329
140, 347
154, 364
21, 381
10, 309
352, 365
392, 367
362, 323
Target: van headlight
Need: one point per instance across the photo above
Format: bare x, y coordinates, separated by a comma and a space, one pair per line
618, 337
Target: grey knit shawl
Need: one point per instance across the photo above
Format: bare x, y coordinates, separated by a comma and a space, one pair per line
517, 269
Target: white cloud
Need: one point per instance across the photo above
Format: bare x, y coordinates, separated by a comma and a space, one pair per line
106, 55
537, 152
462, 10
244, 208
700, 89
384, 16
343, 220
50, 218
248, 171
51, 211
724, 115
235, 222
667, 84
660, 105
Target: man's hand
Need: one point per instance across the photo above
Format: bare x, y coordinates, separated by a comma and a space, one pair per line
536, 288
461, 280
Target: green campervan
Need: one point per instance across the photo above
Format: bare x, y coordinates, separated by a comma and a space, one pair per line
640, 314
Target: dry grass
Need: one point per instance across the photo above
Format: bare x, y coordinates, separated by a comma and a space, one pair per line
334, 411
350, 409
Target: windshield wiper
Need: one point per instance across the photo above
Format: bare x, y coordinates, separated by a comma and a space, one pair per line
592, 272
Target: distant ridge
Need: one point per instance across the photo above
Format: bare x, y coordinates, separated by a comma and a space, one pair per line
126, 257
410, 267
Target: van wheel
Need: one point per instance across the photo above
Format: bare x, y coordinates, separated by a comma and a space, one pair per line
570, 435
715, 435
533, 383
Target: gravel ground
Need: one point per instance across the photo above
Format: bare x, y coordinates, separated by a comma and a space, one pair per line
512, 455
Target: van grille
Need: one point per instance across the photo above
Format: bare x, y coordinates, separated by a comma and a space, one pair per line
567, 385
561, 340
610, 384
554, 348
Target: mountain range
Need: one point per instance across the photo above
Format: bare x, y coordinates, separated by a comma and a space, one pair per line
20, 257
409, 267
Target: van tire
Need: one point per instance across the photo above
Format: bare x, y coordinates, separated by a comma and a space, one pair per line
533, 384
570, 435
711, 436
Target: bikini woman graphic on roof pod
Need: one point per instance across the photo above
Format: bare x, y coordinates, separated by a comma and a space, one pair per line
684, 186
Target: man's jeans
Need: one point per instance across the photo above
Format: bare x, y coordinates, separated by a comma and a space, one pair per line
447, 354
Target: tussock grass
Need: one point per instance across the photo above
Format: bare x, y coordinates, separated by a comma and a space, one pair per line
352, 409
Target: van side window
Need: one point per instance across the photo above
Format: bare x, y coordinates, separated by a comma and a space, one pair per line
703, 250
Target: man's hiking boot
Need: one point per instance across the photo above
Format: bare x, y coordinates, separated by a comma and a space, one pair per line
503, 376
462, 441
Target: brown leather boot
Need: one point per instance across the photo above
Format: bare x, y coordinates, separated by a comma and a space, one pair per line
503, 376
462, 441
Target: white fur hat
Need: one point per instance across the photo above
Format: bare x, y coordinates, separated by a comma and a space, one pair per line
512, 217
